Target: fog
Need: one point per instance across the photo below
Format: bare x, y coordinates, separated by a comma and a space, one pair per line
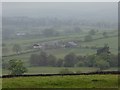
90, 11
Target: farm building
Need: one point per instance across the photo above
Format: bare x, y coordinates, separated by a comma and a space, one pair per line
70, 44
51, 44
37, 46
21, 34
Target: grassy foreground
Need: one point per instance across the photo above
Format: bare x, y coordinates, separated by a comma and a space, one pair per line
81, 81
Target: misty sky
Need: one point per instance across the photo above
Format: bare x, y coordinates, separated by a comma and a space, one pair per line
83, 10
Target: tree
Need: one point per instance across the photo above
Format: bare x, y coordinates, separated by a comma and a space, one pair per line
51, 60
105, 34
81, 61
90, 61
92, 32
88, 38
16, 67
103, 57
50, 32
17, 48
103, 50
102, 64
43, 59
34, 60
59, 63
77, 29
80, 64
39, 60
113, 60
70, 60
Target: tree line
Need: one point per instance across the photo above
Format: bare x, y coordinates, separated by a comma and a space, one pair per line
102, 59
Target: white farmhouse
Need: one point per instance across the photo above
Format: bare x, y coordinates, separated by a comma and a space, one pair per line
37, 46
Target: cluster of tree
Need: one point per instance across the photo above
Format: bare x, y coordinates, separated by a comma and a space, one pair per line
89, 37
105, 34
91, 33
103, 59
35, 25
16, 67
17, 48
77, 29
54, 32
43, 59
50, 32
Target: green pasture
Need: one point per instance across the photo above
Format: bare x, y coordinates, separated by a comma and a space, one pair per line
56, 70
80, 81
61, 52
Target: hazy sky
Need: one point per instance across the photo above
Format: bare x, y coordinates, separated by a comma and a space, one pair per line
84, 10
59, 0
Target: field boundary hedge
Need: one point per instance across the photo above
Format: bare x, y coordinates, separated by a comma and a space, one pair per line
70, 74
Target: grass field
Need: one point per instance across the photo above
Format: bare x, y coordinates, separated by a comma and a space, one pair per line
83, 81
56, 70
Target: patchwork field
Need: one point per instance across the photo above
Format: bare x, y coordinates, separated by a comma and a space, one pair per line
98, 41
60, 53
112, 41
